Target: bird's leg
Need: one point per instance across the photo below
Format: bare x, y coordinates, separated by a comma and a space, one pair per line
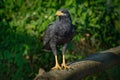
63, 65
54, 50
57, 66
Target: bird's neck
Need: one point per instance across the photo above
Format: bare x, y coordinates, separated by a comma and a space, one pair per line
65, 19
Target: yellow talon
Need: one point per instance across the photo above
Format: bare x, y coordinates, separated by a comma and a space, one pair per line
65, 66
56, 67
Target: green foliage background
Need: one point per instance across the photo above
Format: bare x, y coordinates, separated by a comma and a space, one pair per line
23, 22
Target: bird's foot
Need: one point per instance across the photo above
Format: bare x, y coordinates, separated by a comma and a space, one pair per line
64, 66
56, 67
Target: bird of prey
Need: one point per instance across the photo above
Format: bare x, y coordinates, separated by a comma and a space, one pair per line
60, 32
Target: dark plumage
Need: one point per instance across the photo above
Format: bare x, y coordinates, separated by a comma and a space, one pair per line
60, 32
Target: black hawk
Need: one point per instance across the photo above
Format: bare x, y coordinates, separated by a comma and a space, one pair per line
60, 32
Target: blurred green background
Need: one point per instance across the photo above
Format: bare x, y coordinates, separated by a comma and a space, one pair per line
22, 25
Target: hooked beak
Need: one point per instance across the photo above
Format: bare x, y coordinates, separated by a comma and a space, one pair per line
59, 13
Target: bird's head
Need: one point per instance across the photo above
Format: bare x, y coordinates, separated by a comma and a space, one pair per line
63, 13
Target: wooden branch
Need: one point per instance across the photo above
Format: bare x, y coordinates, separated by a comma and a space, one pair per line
79, 69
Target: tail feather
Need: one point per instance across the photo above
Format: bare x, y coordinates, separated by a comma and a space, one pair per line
46, 47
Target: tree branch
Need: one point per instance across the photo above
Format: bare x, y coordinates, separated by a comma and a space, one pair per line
79, 69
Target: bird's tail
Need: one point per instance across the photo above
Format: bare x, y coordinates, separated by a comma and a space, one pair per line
46, 48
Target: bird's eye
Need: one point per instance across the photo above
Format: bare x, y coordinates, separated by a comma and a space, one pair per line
62, 11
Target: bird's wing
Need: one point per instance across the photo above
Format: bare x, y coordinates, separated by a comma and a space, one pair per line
49, 33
